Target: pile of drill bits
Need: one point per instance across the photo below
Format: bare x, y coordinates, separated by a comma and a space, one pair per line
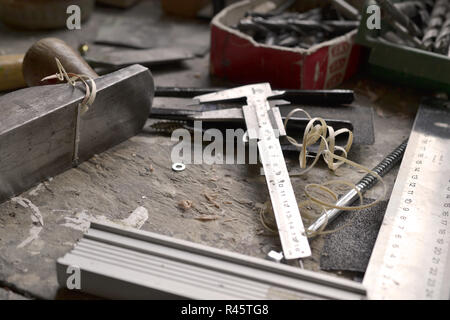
294, 29
440, 21
421, 24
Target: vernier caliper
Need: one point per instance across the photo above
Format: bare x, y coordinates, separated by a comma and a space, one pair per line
264, 126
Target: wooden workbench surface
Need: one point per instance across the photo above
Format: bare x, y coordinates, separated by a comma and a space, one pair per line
137, 173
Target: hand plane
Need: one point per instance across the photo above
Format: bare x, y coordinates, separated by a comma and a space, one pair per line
41, 131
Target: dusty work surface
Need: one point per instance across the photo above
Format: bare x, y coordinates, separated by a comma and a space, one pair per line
133, 183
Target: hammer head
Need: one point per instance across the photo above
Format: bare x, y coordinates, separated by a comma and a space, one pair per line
239, 92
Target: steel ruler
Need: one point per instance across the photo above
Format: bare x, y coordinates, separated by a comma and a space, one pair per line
264, 125
287, 214
411, 257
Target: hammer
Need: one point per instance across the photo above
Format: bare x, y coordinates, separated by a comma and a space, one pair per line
43, 132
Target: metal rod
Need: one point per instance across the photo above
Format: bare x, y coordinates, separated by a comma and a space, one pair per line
442, 42
346, 9
336, 96
434, 24
396, 15
363, 185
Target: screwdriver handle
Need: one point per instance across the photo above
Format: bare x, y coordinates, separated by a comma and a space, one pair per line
11, 77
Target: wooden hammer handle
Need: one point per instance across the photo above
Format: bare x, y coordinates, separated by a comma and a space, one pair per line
39, 61
11, 72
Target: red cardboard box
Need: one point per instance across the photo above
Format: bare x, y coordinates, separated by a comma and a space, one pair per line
237, 57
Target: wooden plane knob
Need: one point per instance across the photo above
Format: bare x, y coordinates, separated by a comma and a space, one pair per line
39, 61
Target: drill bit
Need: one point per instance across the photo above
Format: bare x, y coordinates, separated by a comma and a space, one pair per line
396, 15
363, 185
346, 9
442, 43
390, 36
434, 24
403, 32
410, 8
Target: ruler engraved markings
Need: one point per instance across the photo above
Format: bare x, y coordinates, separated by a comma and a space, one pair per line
284, 203
410, 208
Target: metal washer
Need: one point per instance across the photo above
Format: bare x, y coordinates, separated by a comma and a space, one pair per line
178, 167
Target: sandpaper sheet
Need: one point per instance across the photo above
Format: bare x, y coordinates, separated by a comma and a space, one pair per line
349, 249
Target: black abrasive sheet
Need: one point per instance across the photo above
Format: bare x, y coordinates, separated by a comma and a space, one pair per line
349, 249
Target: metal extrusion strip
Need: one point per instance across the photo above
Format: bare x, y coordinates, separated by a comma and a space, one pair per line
123, 263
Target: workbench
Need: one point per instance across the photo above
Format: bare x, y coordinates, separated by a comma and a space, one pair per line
137, 173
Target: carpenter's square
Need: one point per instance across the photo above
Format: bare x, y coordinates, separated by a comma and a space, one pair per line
264, 126
411, 257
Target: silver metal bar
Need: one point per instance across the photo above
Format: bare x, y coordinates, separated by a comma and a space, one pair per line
120, 263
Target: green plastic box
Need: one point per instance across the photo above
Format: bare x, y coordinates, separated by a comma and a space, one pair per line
402, 64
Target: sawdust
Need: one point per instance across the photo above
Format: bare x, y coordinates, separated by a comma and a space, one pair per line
211, 199
185, 204
207, 217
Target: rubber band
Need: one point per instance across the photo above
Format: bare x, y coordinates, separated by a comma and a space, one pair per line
317, 131
71, 78
84, 105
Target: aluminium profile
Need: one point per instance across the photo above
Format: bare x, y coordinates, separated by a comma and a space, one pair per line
120, 263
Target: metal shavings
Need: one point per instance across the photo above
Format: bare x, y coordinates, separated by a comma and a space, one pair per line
207, 217
211, 200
